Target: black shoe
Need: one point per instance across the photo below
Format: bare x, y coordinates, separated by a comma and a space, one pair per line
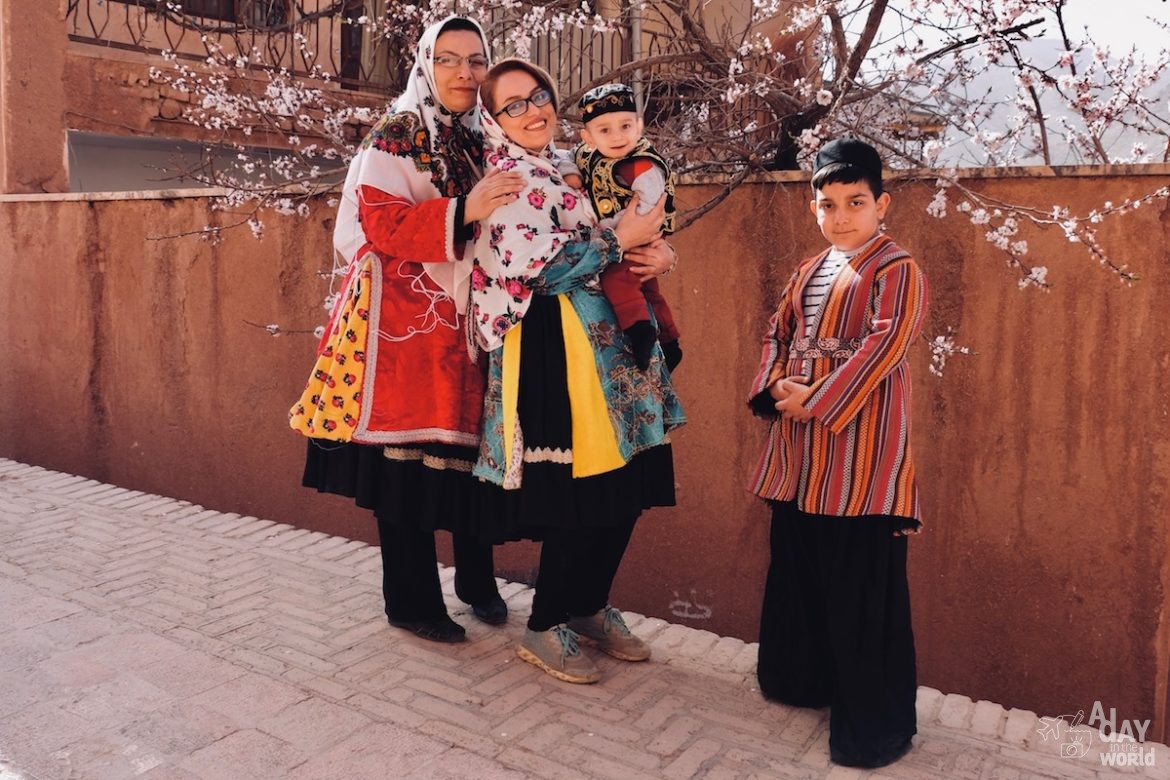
879, 759
642, 336
673, 354
440, 629
493, 612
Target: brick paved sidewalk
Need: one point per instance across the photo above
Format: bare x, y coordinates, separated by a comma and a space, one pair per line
141, 636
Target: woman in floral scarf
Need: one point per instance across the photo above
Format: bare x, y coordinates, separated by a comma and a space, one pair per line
573, 431
393, 406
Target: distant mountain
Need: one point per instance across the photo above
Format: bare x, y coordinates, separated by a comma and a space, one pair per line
1000, 86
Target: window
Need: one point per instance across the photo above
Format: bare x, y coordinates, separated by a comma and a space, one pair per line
370, 60
255, 14
263, 14
211, 9
351, 41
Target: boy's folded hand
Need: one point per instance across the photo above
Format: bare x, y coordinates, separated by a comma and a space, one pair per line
781, 388
791, 393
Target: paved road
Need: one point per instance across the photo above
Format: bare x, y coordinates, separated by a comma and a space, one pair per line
142, 636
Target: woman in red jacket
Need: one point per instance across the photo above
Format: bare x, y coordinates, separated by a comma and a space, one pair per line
393, 407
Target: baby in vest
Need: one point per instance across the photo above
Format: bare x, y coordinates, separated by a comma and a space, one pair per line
617, 162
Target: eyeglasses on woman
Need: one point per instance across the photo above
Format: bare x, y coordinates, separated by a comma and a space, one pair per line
540, 98
475, 61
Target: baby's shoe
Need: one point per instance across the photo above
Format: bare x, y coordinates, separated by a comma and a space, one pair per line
642, 336
673, 354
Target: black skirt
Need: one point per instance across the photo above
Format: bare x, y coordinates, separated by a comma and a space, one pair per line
427, 486
549, 496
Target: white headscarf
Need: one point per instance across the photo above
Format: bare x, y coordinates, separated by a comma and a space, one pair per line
420, 150
521, 237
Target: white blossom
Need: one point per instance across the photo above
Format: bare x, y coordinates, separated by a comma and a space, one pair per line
1037, 277
942, 347
938, 205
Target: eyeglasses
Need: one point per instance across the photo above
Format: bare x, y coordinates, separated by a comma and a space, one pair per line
475, 61
539, 98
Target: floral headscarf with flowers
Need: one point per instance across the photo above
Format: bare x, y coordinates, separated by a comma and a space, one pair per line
418, 151
521, 237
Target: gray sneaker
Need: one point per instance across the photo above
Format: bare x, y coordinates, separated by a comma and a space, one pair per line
558, 653
607, 632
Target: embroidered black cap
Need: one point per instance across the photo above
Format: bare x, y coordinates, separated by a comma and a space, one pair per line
605, 100
849, 152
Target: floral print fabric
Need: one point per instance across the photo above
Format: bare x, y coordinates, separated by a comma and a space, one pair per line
520, 238
642, 405
331, 403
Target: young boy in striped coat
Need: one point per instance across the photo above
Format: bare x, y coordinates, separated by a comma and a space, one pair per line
838, 472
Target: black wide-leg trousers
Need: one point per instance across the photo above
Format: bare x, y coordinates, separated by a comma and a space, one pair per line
577, 568
835, 630
410, 574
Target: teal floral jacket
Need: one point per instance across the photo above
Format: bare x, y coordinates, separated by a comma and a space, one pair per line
642, 405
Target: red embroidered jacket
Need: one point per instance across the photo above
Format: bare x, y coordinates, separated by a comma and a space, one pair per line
424, 386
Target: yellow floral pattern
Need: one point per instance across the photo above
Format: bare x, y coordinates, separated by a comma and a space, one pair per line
330, 406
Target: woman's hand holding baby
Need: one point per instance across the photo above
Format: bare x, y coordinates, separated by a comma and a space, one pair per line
636, 229
650, 260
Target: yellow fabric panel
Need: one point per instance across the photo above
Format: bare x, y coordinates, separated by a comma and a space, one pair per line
329, 407
595, 447
511, 390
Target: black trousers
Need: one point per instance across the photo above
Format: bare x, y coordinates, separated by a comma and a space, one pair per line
835, 630
577, 567
410, 574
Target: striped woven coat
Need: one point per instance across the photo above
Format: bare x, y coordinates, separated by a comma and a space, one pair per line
853, 457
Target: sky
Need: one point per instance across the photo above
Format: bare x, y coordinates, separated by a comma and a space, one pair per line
1120, 23
1117, 23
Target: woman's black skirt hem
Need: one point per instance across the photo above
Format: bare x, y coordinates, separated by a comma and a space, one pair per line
614, 498
430, 487
425, 486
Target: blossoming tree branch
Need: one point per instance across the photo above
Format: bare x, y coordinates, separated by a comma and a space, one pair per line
730, 90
